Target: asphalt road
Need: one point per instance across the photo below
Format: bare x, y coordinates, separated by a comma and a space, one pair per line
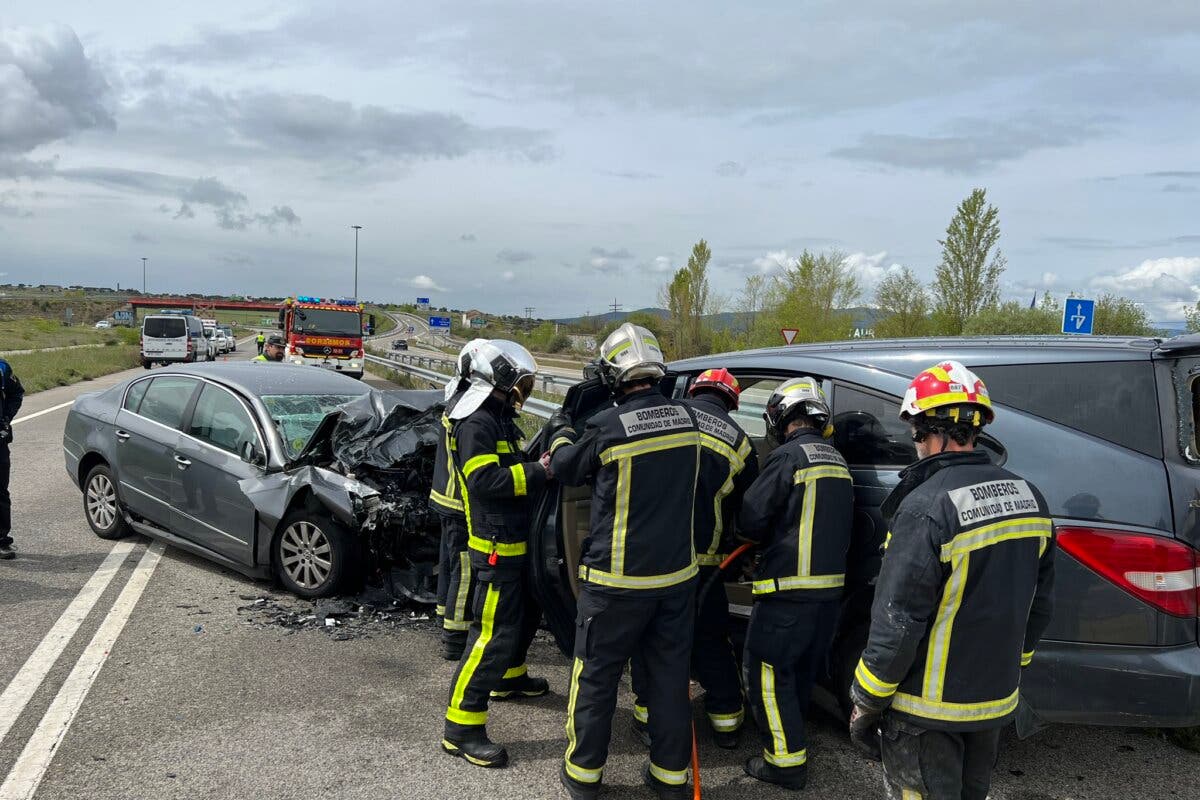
167, 690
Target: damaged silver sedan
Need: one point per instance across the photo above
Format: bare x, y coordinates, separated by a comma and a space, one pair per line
269, 469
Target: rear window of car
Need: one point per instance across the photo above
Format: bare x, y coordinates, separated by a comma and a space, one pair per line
164, 327
1112, 400
166, 400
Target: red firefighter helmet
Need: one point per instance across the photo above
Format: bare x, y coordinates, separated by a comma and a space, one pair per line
720, 381
948, 391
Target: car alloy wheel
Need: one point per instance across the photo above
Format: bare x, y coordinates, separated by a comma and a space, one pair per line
306, 554
101, 501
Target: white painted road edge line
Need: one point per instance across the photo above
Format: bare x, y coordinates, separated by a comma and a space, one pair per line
36, 414
39, 751
18, 693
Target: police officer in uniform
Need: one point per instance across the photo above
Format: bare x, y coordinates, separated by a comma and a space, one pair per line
12, 393
455, 584
260, 340
800, 511
963, 596
497, 487
728, 465
638, 570
273, 350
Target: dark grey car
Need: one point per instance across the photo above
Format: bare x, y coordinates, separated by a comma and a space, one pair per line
240, 463
1105, 427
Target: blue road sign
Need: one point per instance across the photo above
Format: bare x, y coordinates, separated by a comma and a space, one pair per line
1078, 316
411, 330
422, 301
122, 316
440, 322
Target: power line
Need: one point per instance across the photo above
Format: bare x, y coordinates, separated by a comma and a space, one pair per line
615, 307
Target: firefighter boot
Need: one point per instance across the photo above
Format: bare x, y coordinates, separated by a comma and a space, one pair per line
727, 740
519, 687
641, 730
794, 778
477, 749
665, 791
575, 789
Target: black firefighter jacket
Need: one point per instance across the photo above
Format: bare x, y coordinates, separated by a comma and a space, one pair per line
728, 465
444, 497
496, 484
12, 394
801, 511
963, 596
641, 457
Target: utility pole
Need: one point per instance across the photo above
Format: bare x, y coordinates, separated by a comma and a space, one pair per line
144, 275
529, 317
615, 307
357, 228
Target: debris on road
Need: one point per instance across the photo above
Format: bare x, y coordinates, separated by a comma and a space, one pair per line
372, 612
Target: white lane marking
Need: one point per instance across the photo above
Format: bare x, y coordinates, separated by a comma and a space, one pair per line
18, 693
37, 414
39, 751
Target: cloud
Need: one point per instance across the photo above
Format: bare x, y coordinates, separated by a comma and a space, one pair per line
1165, 285
234, 259
425, 282
970, 145
9, 207
617, 255
1181, 188
774, 261
467, 237
514, 256
661, 264
870, 269
142, 238
49, 88
631, 175
508, 275
731, 169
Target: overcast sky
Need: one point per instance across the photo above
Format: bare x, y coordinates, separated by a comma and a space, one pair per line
562, 155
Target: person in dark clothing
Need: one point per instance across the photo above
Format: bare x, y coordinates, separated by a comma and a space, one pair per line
963, 596
638, 569
12, 394
728, 465
800, 511
497, 487
455, 585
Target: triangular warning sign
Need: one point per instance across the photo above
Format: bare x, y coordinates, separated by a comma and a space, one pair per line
789, 334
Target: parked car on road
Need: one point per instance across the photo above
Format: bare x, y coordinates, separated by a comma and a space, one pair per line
254, 466
220, 341
174, 338
103, 324
1105, 427
229, 335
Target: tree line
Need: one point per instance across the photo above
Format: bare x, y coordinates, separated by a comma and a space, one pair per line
815, 291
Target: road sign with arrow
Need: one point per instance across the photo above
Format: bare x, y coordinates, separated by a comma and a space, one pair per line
1078, 316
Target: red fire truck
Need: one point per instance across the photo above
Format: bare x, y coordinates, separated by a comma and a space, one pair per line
323, 333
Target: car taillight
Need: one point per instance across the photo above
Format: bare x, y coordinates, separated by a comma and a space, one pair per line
1161, 571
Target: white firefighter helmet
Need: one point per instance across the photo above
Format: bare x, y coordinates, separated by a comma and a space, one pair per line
462, 369
630, 353
497, 364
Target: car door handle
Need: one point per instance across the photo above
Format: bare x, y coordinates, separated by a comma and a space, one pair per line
122, 435
183, 463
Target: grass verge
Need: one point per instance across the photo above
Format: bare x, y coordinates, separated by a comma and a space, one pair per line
35, 334
41, 371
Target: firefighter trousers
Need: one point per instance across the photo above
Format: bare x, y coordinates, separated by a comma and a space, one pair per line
5, 498
713, 661
610, 629
786, 646
460, 579
505, 618
937, 765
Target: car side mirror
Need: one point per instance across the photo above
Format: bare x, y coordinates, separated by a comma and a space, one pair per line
252, 455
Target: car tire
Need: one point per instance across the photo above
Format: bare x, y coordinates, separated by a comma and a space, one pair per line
146, 364
313, 554
101, 506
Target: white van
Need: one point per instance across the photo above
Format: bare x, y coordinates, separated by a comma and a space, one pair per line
171, 338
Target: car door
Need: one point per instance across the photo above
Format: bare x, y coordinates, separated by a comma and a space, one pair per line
214, 512
147, 433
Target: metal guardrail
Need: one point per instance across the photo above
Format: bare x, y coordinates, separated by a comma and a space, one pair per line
551, 384
538, 408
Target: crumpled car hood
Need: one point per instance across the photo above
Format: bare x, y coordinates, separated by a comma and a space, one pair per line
378, 430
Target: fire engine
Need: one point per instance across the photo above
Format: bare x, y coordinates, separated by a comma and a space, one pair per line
323, 333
